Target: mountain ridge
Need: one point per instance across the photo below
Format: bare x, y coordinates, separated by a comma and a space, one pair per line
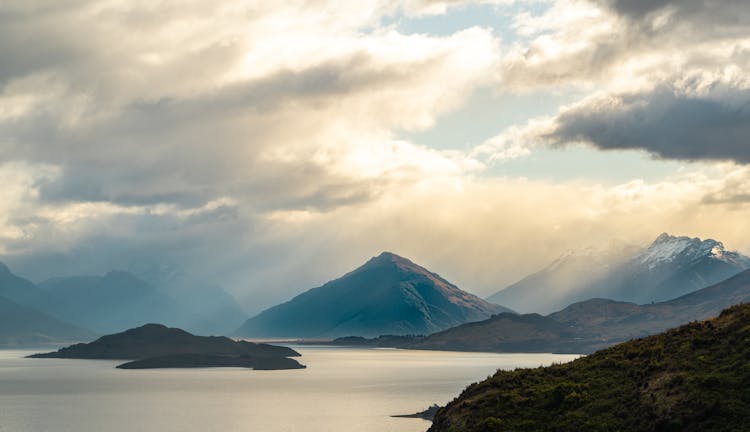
589, 325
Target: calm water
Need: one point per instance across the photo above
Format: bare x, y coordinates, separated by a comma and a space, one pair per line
343, 390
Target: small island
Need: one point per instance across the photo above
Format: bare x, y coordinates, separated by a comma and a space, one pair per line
157, 346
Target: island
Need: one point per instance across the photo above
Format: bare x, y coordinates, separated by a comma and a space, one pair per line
157, 346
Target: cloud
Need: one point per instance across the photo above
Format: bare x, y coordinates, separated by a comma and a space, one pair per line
254, 142
171, 132
666, 77
618, 44
667, 122
299, 90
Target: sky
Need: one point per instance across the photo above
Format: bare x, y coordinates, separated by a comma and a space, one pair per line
271, 146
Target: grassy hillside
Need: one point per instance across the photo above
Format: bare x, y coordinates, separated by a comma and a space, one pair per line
693, 378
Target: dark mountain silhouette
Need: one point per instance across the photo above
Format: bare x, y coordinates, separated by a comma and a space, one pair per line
23, 326
502, 333
669, 267
387, 295
693, 378
589, 325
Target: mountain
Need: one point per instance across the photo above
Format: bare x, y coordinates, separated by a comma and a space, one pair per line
16, 288
673, 266
121, 299
23, 326
669, 267
565, 280
589, 325
387, 295
213, 310
693, 378
107, 303
158, 346
504, 332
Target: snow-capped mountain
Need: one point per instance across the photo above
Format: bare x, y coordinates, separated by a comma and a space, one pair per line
673, 266
669, 267
668, 249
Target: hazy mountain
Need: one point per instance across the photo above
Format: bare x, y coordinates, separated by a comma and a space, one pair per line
565, 280
115, 301
212, 309
16, 288
23, 326
669, 267
693, 378
589, 325
387, 295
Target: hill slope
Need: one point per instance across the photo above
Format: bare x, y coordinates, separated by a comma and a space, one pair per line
669, 267
693, 378
387, 295
589, 325
23, 326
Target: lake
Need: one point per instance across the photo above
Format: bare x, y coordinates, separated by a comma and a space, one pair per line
342, 390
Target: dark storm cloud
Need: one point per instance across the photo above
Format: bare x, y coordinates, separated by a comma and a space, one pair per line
731, 11
664, 123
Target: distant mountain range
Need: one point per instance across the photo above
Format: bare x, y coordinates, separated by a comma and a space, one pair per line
669, 267
212, 310
106, 303
618, 293
110, 303
589, 325
21, 326
387, 295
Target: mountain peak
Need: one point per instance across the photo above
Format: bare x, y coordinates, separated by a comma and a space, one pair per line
667, 248
389, 258
663, 238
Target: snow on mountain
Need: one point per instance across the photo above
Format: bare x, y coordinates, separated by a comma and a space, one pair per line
669, 267
667, 248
